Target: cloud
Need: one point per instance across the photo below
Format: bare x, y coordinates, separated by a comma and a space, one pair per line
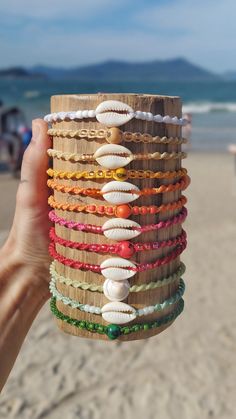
80, 32
53, 9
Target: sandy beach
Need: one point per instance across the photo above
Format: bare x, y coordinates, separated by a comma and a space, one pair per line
186, 372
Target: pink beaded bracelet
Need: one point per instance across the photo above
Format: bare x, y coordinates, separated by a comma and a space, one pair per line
125, 249
140, 267
91, 228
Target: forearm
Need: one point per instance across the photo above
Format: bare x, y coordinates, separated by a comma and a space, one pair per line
22, 293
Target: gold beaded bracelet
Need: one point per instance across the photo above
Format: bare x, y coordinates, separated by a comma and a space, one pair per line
116, 136
120, 174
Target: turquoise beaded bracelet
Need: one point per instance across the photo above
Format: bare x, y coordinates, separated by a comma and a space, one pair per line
113, 331
98, 310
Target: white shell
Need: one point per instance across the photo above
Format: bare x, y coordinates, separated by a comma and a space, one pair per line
117, 192
113, 113
118, 313
115, 268
116, 290
113, 156
119, 229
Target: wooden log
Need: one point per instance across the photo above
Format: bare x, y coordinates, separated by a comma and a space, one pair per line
163, 105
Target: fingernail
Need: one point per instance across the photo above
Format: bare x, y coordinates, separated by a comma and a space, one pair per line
35, 130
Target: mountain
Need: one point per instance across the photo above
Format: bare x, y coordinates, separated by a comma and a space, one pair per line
19, 72
177, 69
229, 75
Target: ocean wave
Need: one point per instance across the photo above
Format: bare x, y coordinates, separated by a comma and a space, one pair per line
206, 107
30, 94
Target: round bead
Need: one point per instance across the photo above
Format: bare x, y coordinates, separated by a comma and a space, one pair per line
153, 210
120, 174
126, 249
113, 331
114, 136
123, 211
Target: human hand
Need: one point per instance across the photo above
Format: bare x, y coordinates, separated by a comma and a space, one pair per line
27, 245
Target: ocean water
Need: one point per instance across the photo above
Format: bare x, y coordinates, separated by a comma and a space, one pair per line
212, 104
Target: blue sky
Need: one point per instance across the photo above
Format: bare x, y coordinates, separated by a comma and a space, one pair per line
75, 32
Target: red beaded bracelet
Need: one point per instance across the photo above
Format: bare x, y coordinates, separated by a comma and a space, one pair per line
140, 267
122, 211
125, 249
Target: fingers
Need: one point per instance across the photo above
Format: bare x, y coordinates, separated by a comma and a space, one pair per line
33, 190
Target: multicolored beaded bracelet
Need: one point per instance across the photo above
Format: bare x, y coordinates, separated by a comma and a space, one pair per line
98, 310
177, 219
125, 249
134, 288
122, 211
74, 157
120, 174
113, 331
110, 190
138, 267
113, 113
115, 136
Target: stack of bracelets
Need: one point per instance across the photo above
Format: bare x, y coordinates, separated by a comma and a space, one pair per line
116, 196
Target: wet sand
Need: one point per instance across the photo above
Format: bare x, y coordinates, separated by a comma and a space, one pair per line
187, 372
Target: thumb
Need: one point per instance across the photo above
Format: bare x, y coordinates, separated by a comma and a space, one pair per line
33, 189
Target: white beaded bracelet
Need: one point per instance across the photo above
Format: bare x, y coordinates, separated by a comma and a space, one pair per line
114, 113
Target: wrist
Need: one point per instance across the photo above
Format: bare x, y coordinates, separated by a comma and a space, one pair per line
22, 277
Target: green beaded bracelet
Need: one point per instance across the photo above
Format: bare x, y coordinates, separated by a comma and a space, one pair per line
113, 331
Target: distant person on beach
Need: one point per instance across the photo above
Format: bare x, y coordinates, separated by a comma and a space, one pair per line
24, 259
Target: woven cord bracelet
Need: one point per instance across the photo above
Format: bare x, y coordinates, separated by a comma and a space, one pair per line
130, 157
115, 136
120, 174
135, 193
123, 211
91, 228
134, 288
139, 267
124, 249
113, 331
98, 310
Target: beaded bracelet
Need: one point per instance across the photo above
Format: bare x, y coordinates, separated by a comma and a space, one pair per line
129, 268
116, 192
120, 174
114, 113
122, 211
134, 288
125, 249
180, 218
74, 157
115, 136
113, 331
98, 310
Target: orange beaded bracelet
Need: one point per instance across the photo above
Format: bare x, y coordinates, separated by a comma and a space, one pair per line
129, 191
122, 211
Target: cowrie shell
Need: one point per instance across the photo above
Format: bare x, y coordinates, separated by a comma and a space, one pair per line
117, 192
116, 290
118, 313
116, 268
120, 229
113, 156
113, 113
